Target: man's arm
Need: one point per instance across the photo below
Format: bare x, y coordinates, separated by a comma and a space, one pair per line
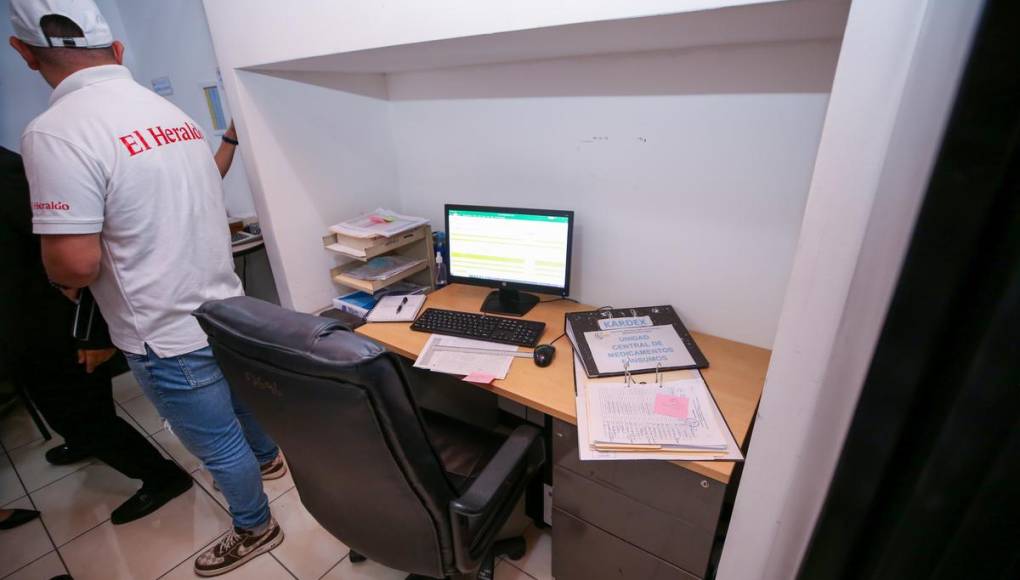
71, 260
224, 156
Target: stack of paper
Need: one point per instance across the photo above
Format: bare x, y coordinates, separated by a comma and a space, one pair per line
462, 356
676, 420
674, 415
381, 222
383, 267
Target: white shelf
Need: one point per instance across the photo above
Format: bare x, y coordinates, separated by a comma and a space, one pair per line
770, 22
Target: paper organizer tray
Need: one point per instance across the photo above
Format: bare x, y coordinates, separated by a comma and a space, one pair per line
352, 247
372, 286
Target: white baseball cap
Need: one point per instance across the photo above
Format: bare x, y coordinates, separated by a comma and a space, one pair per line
27, 14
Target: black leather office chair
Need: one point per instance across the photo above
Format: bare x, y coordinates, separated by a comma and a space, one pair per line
416, 492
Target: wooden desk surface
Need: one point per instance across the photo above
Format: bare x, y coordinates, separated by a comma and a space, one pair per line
735, 377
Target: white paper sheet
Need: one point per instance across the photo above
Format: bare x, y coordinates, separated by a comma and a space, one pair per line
644, 348
435, 358
367, 226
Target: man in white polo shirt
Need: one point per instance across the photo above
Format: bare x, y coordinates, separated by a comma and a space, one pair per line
129, 202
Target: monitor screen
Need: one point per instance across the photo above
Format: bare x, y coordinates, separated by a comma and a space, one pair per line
525, 248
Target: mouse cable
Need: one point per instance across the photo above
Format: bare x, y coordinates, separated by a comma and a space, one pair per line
564, 333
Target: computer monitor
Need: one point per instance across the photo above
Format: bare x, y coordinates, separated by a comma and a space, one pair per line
511, 249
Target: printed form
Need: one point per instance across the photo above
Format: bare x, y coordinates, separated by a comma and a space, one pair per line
463, 356
644, 415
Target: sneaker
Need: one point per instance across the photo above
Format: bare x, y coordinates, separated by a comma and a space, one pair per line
274, 469
236, 548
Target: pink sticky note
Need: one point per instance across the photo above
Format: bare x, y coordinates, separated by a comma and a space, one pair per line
671, 406
480, 378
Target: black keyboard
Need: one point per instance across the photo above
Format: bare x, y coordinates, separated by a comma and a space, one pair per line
480, 326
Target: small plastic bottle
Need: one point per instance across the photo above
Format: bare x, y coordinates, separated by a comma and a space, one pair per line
440, 271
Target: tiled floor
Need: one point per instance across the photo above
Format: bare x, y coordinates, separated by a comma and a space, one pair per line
75, 533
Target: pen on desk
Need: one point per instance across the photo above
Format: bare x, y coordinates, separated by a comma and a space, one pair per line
402, 303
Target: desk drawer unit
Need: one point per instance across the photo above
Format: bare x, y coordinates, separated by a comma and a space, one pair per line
663, 509
582, 551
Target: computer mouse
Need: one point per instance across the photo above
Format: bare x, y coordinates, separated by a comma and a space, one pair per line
544, 354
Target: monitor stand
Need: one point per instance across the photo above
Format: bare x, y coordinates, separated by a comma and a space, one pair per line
509, 301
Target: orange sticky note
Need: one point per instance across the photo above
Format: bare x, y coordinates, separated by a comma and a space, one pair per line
671, 406
480, 378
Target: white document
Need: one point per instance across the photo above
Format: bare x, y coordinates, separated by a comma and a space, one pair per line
622, 414
588, 453
381, 222
644, 348
441, 355
397, 308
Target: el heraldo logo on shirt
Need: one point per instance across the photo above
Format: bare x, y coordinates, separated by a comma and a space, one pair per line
137, 142
51, 205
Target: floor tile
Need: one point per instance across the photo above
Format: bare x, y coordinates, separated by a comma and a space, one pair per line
517, 522
505, 571
149, 547
173, 446
142, 411
369, 570
42, 569
82, 500
127, 417
274, 488
10, 486
537, 562
308, 550
35, 471
17, 429
125, 388
265, 567
24, 544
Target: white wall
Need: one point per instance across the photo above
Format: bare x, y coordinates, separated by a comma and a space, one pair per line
721, 138
23, 92
687, 170
272, 32
329, 157
894, 87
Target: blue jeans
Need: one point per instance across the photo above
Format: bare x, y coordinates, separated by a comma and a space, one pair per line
190, 392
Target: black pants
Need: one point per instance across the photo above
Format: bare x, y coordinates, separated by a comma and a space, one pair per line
79, 406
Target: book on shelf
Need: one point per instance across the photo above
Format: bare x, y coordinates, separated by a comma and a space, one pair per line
361, 303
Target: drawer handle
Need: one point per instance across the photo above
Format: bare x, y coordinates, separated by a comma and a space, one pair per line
704, 483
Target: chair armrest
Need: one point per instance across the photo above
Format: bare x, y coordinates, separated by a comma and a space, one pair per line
478, 514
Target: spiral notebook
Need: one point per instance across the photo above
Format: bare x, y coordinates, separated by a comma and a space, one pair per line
397, 308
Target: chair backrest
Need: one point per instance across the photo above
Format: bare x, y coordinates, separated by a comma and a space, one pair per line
341, 409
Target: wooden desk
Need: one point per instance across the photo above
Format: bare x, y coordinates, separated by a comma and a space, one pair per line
736, 374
